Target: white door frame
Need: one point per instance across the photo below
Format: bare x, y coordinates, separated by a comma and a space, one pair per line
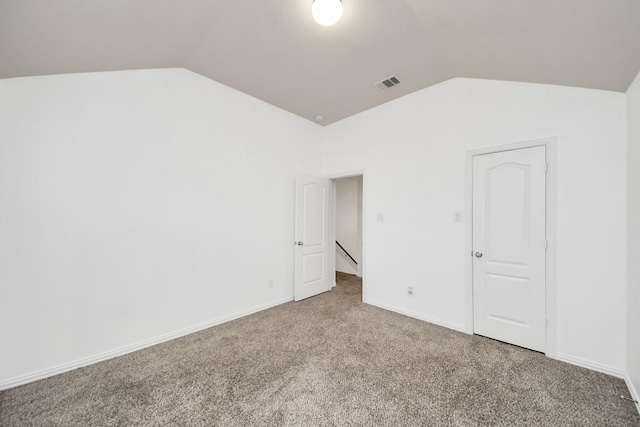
550, 275
332, 225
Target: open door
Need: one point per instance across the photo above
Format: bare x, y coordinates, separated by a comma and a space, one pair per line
311, 236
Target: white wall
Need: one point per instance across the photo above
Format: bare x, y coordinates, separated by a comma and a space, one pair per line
125, 199
360, 225
633, 215
347, 222
413, 150
135, 204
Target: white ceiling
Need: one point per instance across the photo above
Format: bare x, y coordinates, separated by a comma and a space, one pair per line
273, 50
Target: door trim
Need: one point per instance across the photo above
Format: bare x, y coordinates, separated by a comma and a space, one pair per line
550, 216
332, 227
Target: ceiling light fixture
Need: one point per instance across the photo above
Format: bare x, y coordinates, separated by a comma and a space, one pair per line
326, 12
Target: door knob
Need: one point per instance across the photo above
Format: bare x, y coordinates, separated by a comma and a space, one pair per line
299, 243
478, 254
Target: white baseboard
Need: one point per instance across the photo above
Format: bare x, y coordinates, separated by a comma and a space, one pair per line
598, 367
66, 367
632, 390
419, 316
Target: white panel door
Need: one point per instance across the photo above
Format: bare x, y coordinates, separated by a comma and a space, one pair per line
312, 236
509, 244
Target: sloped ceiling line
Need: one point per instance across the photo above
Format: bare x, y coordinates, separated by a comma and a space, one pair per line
274, 51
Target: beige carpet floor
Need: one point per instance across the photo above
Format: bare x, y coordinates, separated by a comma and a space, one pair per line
327, 361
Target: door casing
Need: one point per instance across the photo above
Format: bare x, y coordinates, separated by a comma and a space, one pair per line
550, 256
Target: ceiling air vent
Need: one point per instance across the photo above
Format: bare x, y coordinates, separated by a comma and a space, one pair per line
387, 83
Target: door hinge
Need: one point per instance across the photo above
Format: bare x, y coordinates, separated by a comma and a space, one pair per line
546, 167
546, 245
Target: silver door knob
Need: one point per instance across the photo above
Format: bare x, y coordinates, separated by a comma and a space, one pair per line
299, 243
478, 254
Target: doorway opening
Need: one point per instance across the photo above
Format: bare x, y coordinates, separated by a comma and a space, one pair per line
318, 223
347, 225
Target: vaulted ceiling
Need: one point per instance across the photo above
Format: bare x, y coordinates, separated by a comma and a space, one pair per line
274, 51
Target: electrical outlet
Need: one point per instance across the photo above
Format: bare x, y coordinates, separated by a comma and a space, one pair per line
410, 290
457, 216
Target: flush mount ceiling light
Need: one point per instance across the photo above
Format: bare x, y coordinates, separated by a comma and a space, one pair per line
326, 12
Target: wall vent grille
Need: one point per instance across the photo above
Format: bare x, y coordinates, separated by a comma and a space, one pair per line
388, 83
